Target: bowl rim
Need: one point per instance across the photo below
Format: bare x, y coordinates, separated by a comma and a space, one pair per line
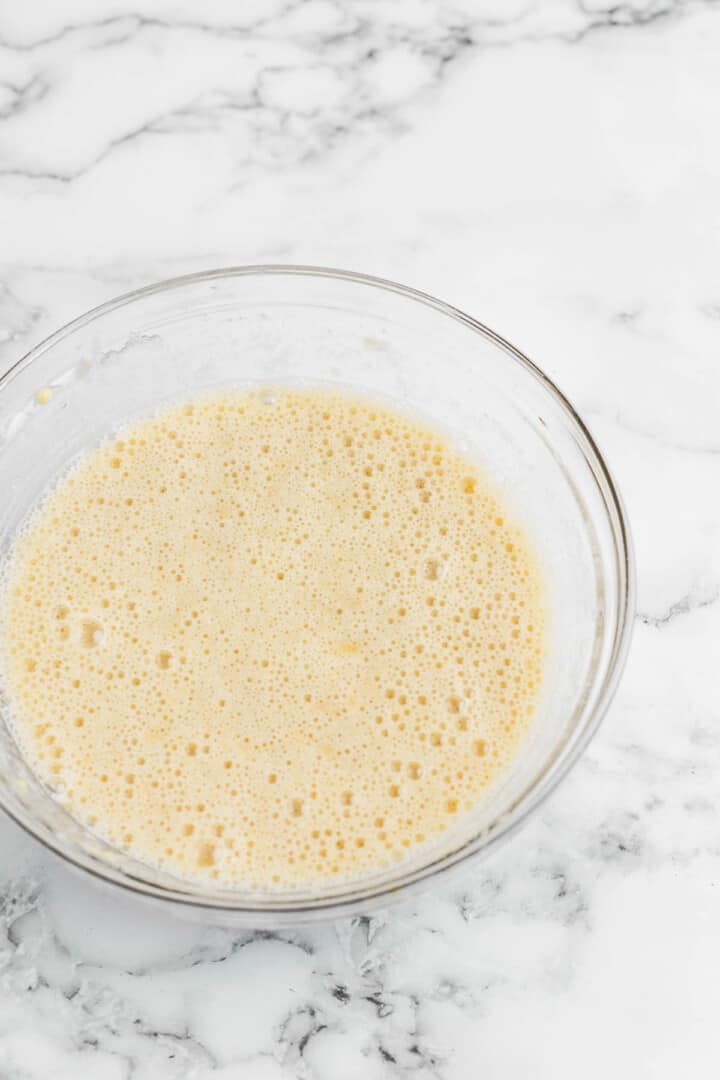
360, 897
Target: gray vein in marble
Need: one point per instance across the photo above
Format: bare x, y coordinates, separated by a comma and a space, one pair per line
694, 601
155, 125
221, 950
23, 96
619, 839
547, 890
123, 27
296, 1031
631, 15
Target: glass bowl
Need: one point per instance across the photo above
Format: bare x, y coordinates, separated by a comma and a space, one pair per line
254, 325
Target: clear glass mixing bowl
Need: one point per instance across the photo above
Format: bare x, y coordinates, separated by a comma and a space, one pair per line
252, 325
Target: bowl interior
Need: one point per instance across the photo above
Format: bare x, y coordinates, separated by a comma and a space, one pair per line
284, 325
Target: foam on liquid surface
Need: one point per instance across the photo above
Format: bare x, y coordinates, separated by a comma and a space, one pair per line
272, 638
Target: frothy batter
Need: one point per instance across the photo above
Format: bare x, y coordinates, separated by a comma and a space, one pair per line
272, 638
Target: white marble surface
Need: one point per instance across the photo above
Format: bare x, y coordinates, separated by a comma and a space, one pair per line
553, 166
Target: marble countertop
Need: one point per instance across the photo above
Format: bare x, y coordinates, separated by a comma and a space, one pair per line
553, 167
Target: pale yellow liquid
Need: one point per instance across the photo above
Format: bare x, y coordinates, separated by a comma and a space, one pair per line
272, 638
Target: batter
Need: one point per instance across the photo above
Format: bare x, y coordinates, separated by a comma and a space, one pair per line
272, 638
